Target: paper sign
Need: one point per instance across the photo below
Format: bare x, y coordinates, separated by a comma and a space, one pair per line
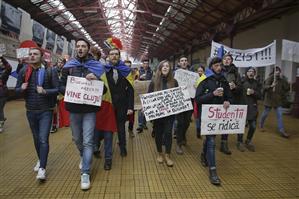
2, 49
140, 87
216, 120
82, 91
166, 102
22, 52
188, 79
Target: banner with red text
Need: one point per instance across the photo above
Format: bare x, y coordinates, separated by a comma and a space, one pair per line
216, 120
82, 91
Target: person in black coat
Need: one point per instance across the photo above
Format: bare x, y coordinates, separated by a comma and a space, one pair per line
251, 93
213, 90
122, 94
5, 70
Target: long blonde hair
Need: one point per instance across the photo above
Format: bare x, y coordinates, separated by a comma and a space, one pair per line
158, 78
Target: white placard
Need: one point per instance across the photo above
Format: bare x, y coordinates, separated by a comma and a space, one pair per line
140, 87
255, 57
290, 51
188, 79
82, 91
166, 102
2, 49
216, 120
22, 52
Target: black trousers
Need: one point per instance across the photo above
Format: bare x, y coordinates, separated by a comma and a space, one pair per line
121, 117
163, 133
182, 126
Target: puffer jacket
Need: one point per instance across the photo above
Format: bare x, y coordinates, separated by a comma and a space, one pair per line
34, 100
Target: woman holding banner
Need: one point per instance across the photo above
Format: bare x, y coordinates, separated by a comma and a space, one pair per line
163, 131
213, 90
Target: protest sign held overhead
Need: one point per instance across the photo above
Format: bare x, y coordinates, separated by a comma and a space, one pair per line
188, 79
2, 49
290, 51
255, 57
140, 87
216, 120
22, 52
166, 102
82, 91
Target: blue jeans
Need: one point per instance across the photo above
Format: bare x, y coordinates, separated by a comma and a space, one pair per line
83, 125
141, 120
278, 116
40, 124
108, 139
209, 146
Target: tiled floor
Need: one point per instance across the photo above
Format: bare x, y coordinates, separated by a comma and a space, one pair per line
270, 172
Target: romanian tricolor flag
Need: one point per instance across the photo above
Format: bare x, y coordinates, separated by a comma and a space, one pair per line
105, 120
124, 70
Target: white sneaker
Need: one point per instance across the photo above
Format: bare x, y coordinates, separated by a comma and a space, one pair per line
36, 167
80, 164
41, 174
85, 182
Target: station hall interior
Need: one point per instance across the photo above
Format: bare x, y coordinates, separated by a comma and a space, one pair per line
153, 31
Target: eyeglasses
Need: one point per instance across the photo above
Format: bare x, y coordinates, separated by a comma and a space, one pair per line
113, 54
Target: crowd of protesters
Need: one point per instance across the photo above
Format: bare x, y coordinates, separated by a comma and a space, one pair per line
43, 88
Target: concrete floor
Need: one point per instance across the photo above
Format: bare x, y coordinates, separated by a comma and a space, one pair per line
270, 172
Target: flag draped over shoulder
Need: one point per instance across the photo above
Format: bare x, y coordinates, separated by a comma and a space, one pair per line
124, 70
105, 117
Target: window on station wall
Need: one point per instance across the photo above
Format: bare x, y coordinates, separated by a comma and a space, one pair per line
11, 20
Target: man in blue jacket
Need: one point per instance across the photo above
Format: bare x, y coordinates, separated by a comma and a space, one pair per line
39, 84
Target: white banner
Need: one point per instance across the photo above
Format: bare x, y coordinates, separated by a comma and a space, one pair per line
255, 57
166, 102
188, 79
216, 120
290, 51
22, 52
82, 91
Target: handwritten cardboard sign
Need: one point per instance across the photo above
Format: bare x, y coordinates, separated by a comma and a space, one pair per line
166, 102
140, 87
188, 79
82, 91
22, 52
216, 120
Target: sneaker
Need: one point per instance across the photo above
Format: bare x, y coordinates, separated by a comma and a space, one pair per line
284, 134
179, 150
131, 133
250, 146
160, 158
85, 182
168, 161
108, 164
224, 148
41, 174
139, 130
53, 130
36, 167
241, 147
97, 154
80, 164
